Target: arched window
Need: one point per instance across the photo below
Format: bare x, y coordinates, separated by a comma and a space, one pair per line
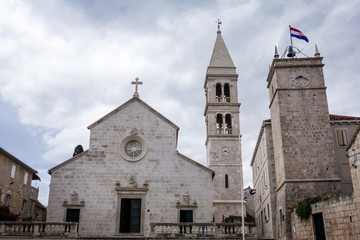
228, 124
226, 92
219, 124
218, 92
226, 181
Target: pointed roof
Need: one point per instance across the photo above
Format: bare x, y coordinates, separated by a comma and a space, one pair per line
220, 56
134, 99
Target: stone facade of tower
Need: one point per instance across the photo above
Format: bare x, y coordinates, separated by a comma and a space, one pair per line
302, 135
223, 132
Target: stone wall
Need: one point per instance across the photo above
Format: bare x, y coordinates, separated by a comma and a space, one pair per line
96, 180
15, 187
340, 220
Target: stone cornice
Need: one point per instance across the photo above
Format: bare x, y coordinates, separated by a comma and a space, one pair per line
222, 104
307, 180
228, 136
292, 89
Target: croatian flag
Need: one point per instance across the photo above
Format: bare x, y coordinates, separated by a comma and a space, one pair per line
298, 34
251, 190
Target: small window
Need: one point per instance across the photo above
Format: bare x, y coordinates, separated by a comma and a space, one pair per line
226, 181
7, 200
345, 172
228, 120
218, 92
30, 207
26, 175
219, 124
23, 205
227, 92
13, 170
265, 215
268, 211
341, 135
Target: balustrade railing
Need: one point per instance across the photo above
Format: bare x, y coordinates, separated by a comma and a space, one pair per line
8, 228
198, 229
222, 99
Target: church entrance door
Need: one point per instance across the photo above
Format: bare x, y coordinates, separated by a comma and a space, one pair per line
72, 215
319, 226
186, 216
130, 215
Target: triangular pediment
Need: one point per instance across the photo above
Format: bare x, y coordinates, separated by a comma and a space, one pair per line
126, 104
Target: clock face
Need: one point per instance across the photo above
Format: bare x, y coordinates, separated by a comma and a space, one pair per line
133, 148
300, 78
225, 151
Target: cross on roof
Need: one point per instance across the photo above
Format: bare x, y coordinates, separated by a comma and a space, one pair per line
136, 83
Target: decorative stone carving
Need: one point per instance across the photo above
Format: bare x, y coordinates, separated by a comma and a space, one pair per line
186, 198
132, 182
74, 198
134, 131
74, 201
186, 202
117, 184
145, 184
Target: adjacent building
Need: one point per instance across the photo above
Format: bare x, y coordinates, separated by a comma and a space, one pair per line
16, 191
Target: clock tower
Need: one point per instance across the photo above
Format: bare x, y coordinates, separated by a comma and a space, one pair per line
223, 132
302, 137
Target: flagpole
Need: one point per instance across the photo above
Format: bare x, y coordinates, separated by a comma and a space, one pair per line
242, 190
291, 41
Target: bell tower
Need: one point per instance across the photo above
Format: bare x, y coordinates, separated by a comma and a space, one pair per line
223, 132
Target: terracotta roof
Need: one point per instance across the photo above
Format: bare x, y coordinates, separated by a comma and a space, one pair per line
334, 117
38, 203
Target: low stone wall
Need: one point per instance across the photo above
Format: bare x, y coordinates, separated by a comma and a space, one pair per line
34, 230
341, 220
192, 230
301, 228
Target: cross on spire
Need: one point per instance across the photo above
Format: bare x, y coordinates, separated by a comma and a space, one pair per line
136, 83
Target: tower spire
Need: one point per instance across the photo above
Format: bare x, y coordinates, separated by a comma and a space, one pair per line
220, 55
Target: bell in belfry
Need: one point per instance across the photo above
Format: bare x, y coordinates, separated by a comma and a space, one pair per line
291, 52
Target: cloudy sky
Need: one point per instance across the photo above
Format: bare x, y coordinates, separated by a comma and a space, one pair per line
65, 64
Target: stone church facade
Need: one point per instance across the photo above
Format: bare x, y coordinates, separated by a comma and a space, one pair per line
301, 150
132, 174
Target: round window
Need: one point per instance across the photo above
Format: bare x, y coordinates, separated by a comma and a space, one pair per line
133, 148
